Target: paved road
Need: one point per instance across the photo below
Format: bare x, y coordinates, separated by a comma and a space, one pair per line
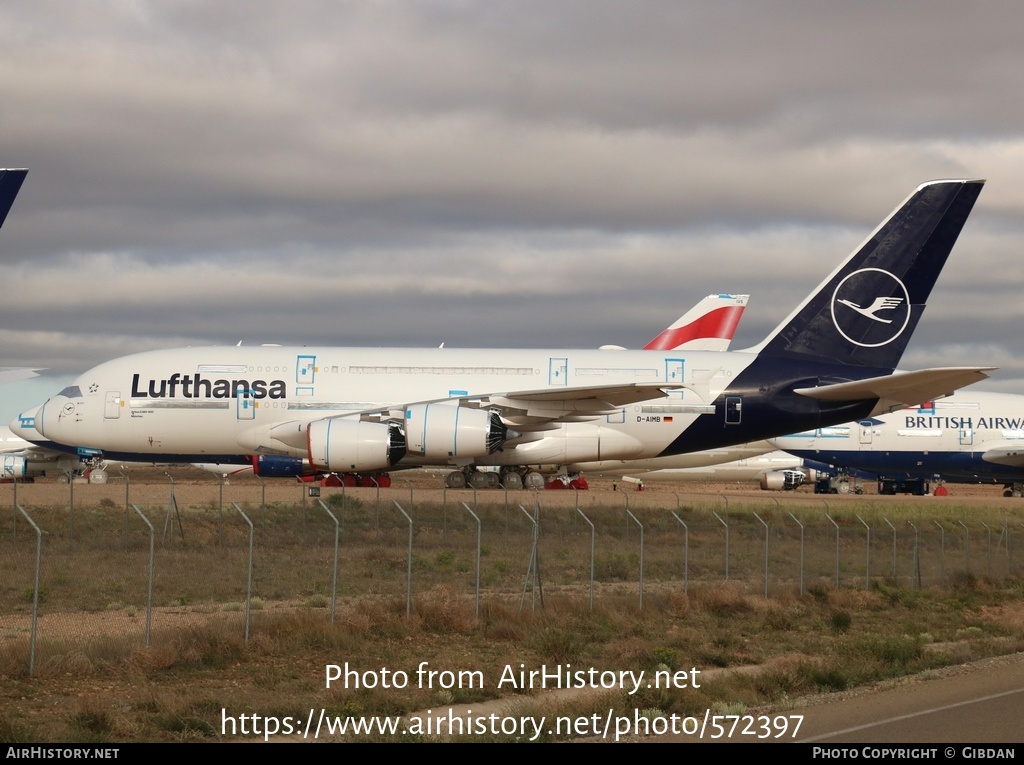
983, 703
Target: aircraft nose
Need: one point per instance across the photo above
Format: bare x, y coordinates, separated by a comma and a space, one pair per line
24, 425
53, 417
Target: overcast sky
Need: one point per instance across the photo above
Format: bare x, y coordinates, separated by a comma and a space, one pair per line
521, 174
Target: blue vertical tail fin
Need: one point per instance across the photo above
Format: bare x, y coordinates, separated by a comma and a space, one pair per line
10, 185
865, 311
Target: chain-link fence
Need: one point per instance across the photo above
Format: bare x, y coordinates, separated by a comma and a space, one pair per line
97, 575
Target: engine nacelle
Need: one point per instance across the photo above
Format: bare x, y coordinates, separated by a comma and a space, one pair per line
275, 466
13, 467
342, 445
444, 431
782, 480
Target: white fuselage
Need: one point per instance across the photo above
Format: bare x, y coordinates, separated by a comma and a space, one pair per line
225, 400
971, 436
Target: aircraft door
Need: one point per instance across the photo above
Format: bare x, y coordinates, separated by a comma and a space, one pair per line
305, 369
674, 374
558, 371
733, 410
245, 404
112, 405
866, 432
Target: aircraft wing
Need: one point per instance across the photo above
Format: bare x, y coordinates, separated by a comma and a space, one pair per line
528, 411
900, 389
1009, 453
10, 374
19, 457
545, 404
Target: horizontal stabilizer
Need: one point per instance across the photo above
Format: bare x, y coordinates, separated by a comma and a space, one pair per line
900, 389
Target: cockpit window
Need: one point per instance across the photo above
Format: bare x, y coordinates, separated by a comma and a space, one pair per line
72, 391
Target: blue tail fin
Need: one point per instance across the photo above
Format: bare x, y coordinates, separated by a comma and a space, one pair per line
864, 313
10, 185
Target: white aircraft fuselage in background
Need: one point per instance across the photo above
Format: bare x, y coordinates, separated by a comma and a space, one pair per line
970, 437
365, 410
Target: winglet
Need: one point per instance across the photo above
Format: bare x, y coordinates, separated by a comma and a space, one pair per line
865, 311
10, 185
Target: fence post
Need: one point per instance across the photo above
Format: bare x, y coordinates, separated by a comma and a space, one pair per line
726, 539
530, 567
334, 571
867, 558
837, 547
637, 522
248, 586
686, 554
801, 552
766, 529
894, 581
917, 556
35, 592
149, 589
592, 539
408, 572
478, 531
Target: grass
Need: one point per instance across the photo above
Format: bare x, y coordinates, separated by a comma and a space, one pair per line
91, 648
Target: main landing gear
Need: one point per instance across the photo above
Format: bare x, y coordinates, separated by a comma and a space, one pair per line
507, 478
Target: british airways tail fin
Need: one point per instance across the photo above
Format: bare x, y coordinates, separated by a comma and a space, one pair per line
708, 326
864, 313
10, 185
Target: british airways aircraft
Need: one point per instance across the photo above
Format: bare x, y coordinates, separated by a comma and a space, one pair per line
970, 437
366, 410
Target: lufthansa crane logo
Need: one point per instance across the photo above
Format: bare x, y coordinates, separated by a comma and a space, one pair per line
871, 307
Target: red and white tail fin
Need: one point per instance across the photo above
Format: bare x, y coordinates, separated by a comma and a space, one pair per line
708, 326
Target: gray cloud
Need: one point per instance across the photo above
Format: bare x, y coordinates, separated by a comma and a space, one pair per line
511, 174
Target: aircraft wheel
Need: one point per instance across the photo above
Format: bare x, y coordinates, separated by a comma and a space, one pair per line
478, 480
455, 480
64, 478
534, 480
1017, 494
1007, 493
493, 480
512, 480
98, 476
844, 488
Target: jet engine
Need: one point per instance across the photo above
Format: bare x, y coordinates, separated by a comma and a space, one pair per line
14, 467
341, 445
444, 431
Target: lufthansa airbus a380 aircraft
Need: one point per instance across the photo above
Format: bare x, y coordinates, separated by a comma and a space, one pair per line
367, 410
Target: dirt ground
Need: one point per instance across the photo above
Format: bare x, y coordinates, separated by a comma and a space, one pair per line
193, 487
